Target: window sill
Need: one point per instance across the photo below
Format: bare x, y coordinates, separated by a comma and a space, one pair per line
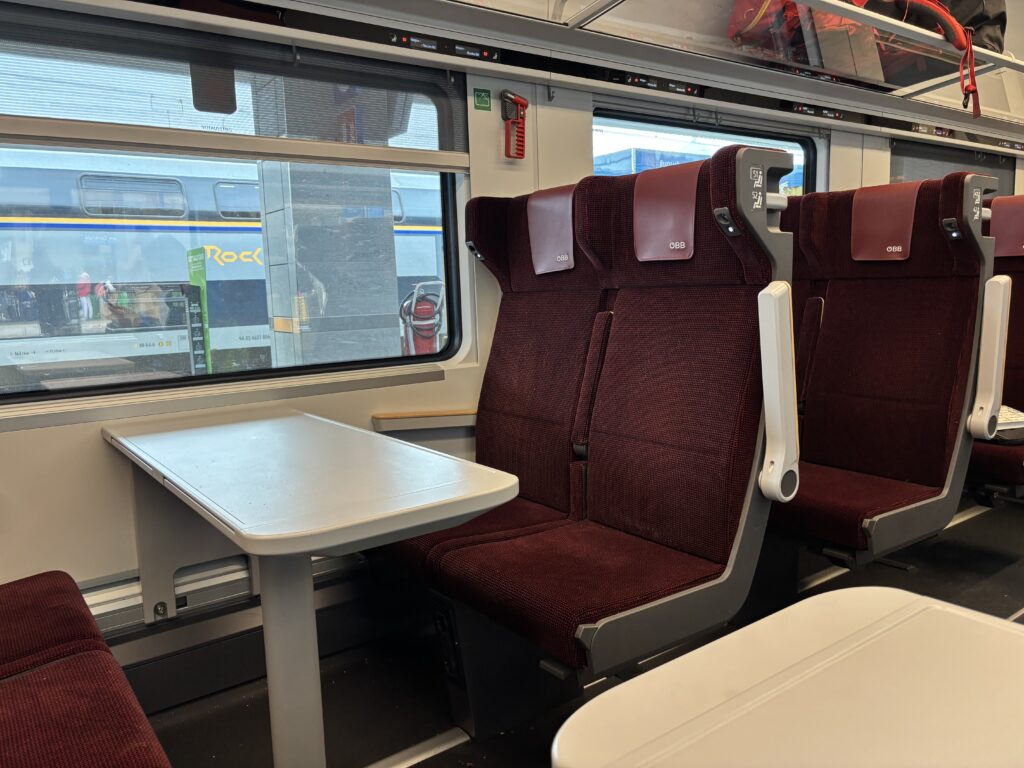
53, 413
417, 420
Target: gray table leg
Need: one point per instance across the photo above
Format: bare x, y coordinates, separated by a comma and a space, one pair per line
293, 662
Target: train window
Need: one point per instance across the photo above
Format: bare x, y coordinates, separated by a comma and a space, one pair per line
131, 196
915, 160
121, 267
79, 67
623, 145
237, 201
329, 276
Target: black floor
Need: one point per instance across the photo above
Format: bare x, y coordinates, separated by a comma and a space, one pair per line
378, 699
386, 697
978, 564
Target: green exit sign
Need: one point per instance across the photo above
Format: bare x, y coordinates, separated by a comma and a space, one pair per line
482, 99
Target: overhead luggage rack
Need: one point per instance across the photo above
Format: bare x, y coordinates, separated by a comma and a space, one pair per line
834, 40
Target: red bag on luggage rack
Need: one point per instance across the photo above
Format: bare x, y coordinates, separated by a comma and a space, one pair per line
763, 23
775, 24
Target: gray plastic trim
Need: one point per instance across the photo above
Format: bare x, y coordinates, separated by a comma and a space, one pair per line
615, 641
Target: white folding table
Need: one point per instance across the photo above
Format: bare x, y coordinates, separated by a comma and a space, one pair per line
285, 485
857, 677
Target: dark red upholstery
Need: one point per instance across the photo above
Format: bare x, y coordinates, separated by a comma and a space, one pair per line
518, 515
1013, 383
991, 462
43, 618
996, 464
678, 405
886, 386
547, 584
833, 504
77, 712
674, 426
527, 417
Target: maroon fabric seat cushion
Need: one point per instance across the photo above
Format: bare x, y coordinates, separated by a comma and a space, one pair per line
678, 405
994, 463
832, 504
887, 384
536, 370
888, 377
676, 417
990, 462
516, 516
43, 618
77, 712
1013, 384
528, 397
546, 584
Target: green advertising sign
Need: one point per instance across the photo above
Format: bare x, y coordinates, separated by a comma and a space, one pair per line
198, 314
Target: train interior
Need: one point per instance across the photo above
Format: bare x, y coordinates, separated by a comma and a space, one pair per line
511, 383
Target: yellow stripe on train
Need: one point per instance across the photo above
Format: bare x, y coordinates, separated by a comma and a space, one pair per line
179, 223
182, 223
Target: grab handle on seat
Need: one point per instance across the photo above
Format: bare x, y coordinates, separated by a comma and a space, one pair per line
988, 396
780, 474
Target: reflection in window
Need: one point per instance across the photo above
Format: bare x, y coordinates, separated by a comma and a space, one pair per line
631, 146
917, 160
237, 201
210, 266
76, 67
131, 196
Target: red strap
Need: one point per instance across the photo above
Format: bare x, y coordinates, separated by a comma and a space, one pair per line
969, 85
952, 30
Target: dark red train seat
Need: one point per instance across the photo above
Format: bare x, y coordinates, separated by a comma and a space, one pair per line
43, 618
888, 360
993, 463
64, 701
809, 285
534, 408
673, 515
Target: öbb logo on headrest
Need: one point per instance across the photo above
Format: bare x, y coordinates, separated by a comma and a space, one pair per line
562, 257
678, 245
894, 249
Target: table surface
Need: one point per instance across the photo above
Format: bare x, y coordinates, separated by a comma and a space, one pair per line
854, 677
283, 482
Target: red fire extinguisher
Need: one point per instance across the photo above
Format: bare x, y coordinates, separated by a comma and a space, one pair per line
422, 315
513, 112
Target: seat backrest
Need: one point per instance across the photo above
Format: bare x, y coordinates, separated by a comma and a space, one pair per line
677, 413
889, 377
1007, 227
526, 418
809, 286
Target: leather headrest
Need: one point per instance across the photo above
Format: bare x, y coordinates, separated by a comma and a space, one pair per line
549, 217
1007, 225
883, 222
664, 213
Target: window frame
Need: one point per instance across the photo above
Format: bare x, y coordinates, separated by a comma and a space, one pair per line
805, 141
938, 148
220, 209
453, 344
156, 217
449, 165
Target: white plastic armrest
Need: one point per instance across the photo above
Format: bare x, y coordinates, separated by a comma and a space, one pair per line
780, 474
988, 396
